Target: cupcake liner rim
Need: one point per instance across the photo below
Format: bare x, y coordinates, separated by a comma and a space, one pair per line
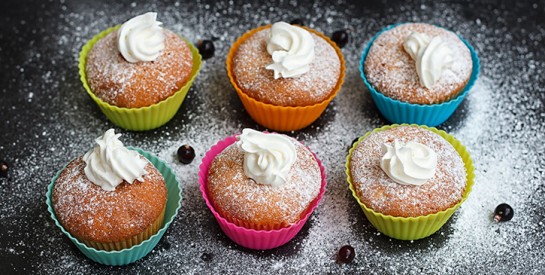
470, 172
197, 61
337, 88
203, 173
160, 232
472, 79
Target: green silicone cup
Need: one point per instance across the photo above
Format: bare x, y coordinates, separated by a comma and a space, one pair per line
144, 118
414, 228
134, 253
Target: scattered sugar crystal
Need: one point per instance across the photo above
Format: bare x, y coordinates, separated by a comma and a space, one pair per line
501, 122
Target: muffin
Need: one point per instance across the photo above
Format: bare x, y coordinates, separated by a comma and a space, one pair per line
418, 73
285, 75
261, 187
139, 67
110, 207
409, 179
114, 203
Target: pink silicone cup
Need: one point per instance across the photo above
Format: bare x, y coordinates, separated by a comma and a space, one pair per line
247, 237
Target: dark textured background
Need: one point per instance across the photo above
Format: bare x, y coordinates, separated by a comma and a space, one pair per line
46, 119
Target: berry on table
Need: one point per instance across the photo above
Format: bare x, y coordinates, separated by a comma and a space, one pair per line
297, 21
341, 37
166, 244
503, 212
4, 168
207, 257
346, 254
186, 154
206, 48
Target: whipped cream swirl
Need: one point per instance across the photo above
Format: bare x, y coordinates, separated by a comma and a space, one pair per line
412, 163
291, 48
267, 157
110, 163
141, 38
432, 57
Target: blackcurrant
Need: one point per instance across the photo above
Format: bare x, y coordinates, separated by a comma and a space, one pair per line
186, 154
166, 245
341, 37
4, 168
207, 257
346, 254
297, 21
503, 212
206, 48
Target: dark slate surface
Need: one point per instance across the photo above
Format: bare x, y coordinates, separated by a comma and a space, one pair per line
47, 119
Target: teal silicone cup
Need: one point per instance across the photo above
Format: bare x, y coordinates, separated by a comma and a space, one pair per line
129, 255
400, 112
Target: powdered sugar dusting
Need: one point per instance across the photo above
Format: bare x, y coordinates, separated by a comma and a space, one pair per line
391, 70
380, 193
310, 88
501, 122
133, 85
92, 214
238, 197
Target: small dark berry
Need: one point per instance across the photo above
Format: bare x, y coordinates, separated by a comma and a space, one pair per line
340, 37
503, 212
207, 257
206, 48
186, 154
346, 254
4, 168
166, 245
297, 21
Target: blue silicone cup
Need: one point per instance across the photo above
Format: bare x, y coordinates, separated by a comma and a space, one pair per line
134, 253
400, 112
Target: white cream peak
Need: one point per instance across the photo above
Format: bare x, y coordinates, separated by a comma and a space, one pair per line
411, 163
110, 163
268, 158
291, 48
141, 38
432, 56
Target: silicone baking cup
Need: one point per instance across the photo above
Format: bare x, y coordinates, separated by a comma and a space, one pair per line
136, 252
249, 237
144, 118
414, 228
397, 111
282, 118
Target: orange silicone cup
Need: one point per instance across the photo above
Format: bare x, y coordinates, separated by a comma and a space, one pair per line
282, 118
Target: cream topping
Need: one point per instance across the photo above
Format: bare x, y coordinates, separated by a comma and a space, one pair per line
141, 38
412, 163
267, 157
432, 56
291, 48
110, 163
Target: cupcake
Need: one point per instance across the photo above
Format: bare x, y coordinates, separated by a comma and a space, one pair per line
112, 201
418, 73
285, 75
138, 73
409, 179
261, 187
